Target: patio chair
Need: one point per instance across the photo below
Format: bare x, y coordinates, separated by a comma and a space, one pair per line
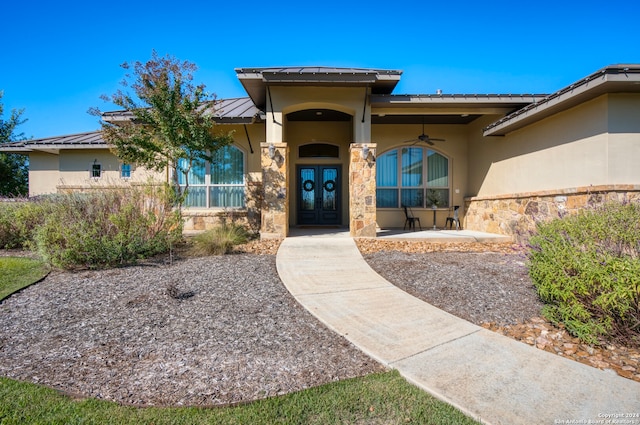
453, 218
410, 219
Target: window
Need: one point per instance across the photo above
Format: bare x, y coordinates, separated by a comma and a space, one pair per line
125, 171
319, 150
412, 176
96, 170
217, 184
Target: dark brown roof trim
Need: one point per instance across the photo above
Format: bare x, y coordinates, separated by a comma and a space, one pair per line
611, 79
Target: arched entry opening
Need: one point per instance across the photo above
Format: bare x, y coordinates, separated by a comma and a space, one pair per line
318, 140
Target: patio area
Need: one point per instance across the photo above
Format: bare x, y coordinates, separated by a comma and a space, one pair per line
438, 235
442, 235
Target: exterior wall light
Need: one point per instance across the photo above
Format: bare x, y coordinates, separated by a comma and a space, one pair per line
272, 150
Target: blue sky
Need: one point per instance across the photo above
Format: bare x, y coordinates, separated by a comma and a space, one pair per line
59, 57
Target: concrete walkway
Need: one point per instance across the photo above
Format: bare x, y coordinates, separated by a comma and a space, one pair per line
492, 378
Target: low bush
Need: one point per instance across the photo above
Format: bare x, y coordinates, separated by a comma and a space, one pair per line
19, 220
220, 240
107, 228
93, 230
586, 269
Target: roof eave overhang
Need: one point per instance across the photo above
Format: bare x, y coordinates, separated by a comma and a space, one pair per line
15, 149
226, 111
256, 80
613, 79
497, 104
52, 149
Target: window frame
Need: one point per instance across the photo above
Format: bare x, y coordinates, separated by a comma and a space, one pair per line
424, 186
93, 169
208, 186
122, 170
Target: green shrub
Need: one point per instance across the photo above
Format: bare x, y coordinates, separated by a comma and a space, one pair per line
107, 228
586, 269
219, 240
20, 219
8, 233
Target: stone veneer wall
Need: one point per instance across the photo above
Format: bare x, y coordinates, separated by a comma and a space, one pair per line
516, 215
362, 191
275, 201
204, 220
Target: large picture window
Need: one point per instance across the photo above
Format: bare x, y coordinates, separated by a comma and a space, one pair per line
216, 184
413, 177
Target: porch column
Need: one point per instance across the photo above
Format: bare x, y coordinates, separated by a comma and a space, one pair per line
362, 190
275, 203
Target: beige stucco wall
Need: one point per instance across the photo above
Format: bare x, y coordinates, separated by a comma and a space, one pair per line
44, 173
624, 138
585, 155
579, 147
290, 99
70, 170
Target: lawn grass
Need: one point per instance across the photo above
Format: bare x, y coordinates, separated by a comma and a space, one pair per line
18, 272
383, 398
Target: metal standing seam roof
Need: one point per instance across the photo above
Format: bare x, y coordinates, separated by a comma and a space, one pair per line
228, 111
86, 140
239, 110
611, 79
454, 100
528, 107
257, 80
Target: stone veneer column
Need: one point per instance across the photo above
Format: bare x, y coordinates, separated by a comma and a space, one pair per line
275, 203
362, 191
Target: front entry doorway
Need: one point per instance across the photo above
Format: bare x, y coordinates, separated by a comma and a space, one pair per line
318, 194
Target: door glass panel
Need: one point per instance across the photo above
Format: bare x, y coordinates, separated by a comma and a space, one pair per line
307, 192
329, 183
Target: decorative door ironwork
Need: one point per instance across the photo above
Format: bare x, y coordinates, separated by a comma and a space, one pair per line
318, 194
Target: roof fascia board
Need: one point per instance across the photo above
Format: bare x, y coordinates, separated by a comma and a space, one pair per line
617, 78
455, 99
441, 110
15, 149
485, 104
46, 148
256, 80
310, 79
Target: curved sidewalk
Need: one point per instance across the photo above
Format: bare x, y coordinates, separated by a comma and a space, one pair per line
490, 377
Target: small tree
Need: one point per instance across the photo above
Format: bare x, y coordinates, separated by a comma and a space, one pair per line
14, 168
172, 121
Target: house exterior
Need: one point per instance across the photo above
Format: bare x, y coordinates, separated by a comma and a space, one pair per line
320, 146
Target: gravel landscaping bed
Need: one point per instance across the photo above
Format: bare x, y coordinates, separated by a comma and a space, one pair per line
223, 330
202, 331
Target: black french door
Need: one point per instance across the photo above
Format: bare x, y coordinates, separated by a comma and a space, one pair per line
318, 194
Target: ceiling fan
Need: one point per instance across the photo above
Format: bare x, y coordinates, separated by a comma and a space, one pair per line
424, 138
